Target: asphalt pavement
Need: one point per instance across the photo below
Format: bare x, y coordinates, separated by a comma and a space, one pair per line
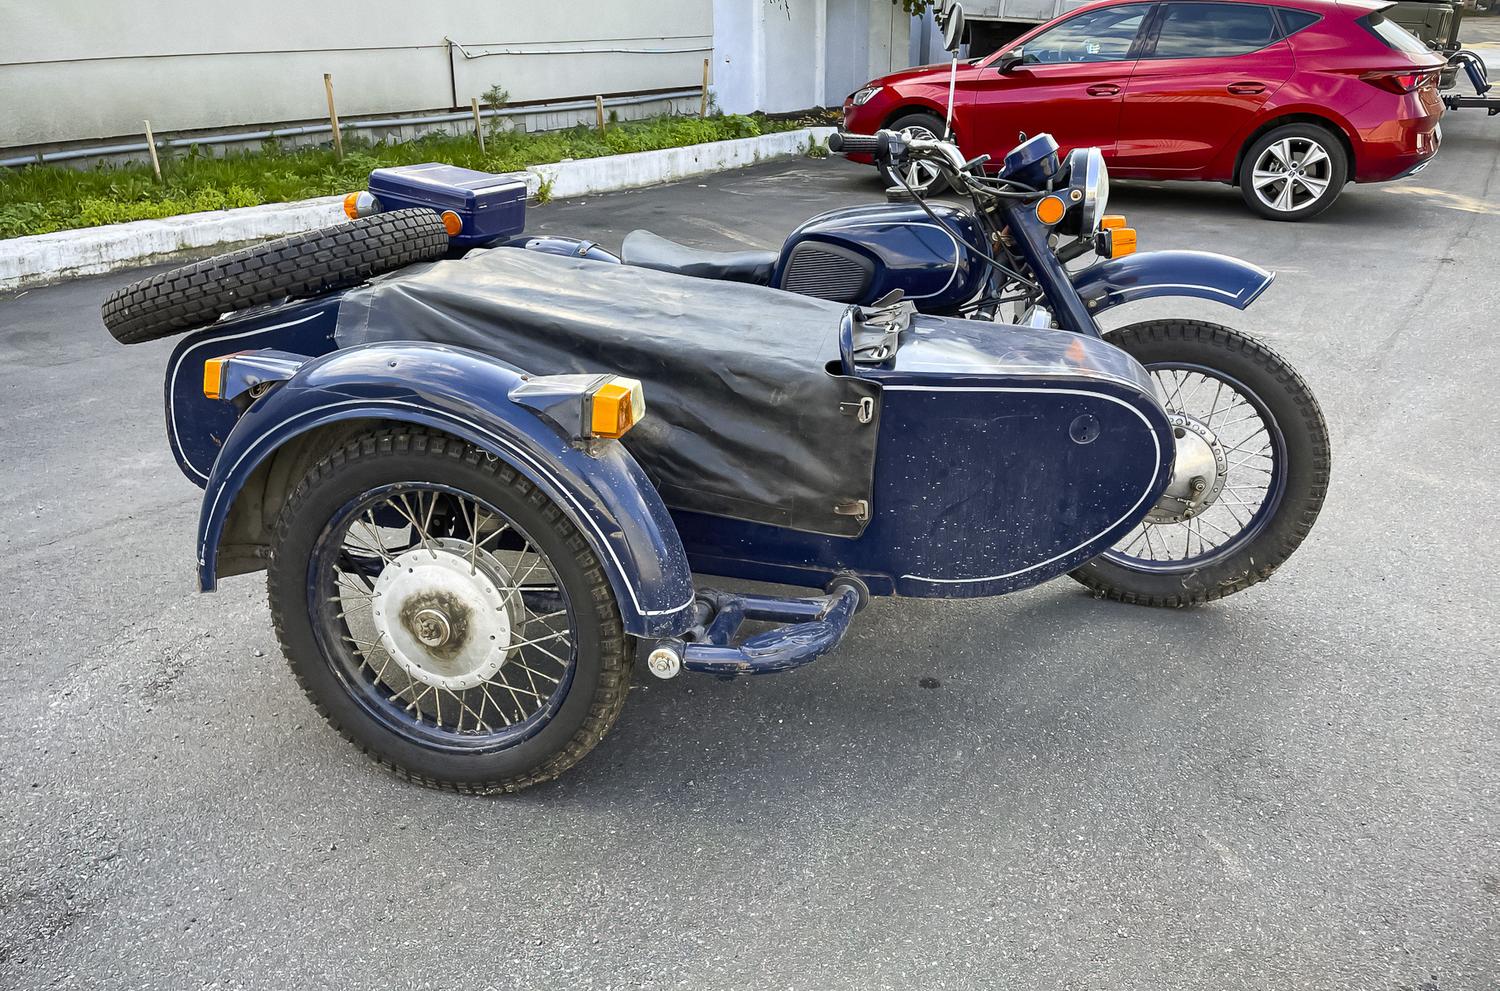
1295, 787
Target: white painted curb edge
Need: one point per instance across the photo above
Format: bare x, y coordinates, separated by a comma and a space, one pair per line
44, 258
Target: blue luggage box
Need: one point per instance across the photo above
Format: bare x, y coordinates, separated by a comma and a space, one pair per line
490, 206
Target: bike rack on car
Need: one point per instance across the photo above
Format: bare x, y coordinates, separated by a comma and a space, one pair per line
1478, 75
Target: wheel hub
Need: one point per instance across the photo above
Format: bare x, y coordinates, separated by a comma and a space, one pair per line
446, 613
1198, 474
432, 627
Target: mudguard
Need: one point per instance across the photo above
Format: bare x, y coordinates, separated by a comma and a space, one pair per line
605, 494
568, 247
1203, 274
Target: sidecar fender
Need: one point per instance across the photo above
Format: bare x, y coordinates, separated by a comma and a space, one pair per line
603, 492
1203, 274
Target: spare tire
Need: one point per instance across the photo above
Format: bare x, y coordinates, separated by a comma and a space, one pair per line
300, 265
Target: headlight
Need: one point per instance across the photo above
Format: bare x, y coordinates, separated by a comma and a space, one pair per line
1089, 179
1101, 197
863, 96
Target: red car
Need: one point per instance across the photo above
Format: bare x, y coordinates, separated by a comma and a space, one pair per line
1288, 100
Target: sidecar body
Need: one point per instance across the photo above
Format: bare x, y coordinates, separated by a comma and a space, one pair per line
786, 439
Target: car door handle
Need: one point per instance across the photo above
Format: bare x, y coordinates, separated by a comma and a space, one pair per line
1103, 89
1246, 89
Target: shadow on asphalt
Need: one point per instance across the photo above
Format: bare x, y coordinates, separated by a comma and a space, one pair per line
1360, 206
860, 726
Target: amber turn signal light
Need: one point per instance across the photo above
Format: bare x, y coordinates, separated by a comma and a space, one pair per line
213, 377
1121, 242
452, 223
358, 205
616, 406
1111, 221
1050, 209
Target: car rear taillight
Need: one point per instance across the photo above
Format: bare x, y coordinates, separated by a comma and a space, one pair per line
1397, 80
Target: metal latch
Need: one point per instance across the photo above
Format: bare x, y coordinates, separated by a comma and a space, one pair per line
859, 509
864, 409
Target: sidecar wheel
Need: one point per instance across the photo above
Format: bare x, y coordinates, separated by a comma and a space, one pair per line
444, 616
1246, 408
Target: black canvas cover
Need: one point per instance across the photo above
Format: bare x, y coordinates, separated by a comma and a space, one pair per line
743, 418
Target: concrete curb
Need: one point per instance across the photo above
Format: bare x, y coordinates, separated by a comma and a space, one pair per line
46, 258
646, 168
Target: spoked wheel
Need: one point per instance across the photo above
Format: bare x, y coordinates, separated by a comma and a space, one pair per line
1293, 172
1250, 476
923, 177
444, 616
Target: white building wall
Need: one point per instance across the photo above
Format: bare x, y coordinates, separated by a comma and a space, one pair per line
848, 66
93, 70
80, 70
739, 67
780, 55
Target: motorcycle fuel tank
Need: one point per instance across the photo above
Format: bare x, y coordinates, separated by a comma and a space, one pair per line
859, 254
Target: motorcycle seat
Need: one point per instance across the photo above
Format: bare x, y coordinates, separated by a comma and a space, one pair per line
643, 249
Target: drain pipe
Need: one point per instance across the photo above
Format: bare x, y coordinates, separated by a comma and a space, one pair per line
99, 151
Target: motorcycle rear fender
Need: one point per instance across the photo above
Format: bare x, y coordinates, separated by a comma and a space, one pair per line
326, 401
1201, 274
568, 247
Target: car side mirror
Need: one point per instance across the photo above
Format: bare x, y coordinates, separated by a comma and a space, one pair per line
1009, 61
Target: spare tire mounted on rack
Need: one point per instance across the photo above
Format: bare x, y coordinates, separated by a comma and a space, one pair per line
300, 265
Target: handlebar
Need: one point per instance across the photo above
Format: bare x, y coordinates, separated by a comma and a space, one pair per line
892, 149
853, 143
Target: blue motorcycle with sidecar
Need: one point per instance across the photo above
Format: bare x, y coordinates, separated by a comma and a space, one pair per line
481, 479
1008, 253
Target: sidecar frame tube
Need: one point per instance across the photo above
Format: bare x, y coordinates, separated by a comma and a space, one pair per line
812, 627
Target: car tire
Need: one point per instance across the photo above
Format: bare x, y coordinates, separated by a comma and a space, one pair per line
1314, 162
300, 265
922, 125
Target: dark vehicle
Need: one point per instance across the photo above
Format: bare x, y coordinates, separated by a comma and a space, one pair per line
933, 254
470, 523
1039, 213
1437, 25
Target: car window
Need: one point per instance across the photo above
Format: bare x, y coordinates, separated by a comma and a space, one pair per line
1293, 21
1098, 36
1214, 30
1394, 35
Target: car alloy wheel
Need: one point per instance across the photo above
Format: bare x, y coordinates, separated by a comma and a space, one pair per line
1292, 174
919, 175
923, 178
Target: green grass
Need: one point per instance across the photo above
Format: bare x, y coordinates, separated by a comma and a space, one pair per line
42, 198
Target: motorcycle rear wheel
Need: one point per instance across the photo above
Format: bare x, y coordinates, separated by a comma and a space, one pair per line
1257, 412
